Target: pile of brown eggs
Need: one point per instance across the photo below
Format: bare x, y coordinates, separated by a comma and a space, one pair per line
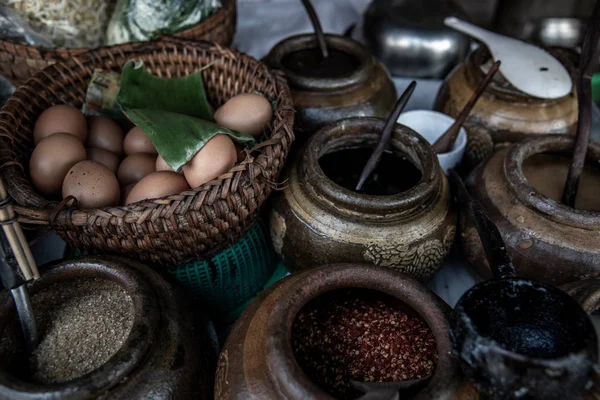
93, 160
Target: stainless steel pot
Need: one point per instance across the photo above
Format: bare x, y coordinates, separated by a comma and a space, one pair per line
410, 38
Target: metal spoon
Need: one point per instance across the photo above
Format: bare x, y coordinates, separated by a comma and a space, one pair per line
386, 136
388, 390
530, 69
446, 141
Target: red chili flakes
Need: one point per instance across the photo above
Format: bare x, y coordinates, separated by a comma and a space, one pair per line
351, 334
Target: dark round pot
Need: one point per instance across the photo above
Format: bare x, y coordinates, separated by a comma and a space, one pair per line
315, 221
168, 353
503, 114
546, 240
366, 91
257, 361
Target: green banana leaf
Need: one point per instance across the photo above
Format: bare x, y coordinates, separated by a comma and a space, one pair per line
173, 113
179, 137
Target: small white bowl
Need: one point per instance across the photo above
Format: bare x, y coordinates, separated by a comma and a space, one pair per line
431, 125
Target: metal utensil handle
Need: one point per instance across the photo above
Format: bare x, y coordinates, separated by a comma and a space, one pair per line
492, 242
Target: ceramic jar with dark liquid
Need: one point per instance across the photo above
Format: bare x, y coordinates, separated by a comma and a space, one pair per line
521, 188
503, 114
109, 328
403, 219
260, 357
349, 83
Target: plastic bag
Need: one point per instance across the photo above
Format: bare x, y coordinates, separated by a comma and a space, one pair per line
14, 28
66, 23
137, 20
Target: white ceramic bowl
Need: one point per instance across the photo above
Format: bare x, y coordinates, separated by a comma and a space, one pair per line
431, 125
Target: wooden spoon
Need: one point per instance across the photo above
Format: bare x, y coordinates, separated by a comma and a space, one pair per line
590, 51
386, 136
445, 142
314, 19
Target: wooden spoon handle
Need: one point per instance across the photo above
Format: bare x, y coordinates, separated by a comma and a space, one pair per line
314, 19
386, 136
445, 142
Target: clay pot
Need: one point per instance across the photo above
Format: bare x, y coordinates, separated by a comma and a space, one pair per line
167, 354
546, 240
367, 91
503, 114
587, 294
257, 361
315, 221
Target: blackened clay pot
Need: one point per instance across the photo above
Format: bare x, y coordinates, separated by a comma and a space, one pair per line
587, 294
367, 91
167, 354
257, 361
315, 221
546, 240
502, 114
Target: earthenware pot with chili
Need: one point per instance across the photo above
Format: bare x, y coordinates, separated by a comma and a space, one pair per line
108, 328
521, 188
504, 114
402, 219
350, 82
315, 334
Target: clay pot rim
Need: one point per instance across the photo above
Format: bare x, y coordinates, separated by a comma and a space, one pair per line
135, 346
477, 57
475, 334
279, 352
530, 197
351, 131
336, 42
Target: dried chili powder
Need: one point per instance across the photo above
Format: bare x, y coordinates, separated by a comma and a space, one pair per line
361, 335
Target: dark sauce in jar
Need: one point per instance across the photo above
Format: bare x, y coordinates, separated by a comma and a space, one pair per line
394, 174
310, 62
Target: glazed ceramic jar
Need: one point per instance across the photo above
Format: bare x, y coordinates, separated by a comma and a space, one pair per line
317, 221
167, 353
258, 361
502, 113
352, 83
521, 187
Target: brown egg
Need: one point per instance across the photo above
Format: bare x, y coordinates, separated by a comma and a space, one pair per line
62, 118
92, 184
161, 165
248, 113
136, 141
216, 157
52, 159
157, 184
134, 167
241, 154
104, 133
110, 160
125, 192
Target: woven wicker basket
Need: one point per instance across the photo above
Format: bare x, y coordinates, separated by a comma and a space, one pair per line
166, 231
18, 62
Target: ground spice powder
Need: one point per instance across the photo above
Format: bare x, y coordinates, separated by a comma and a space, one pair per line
361, 335
82, 324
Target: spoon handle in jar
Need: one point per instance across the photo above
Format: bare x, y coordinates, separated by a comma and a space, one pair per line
490, 237
386, 136
445, 142
314, 19
590, 51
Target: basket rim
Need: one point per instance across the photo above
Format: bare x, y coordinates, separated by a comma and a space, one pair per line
40, 52
62, 214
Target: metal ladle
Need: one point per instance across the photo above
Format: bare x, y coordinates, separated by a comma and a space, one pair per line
518, 338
